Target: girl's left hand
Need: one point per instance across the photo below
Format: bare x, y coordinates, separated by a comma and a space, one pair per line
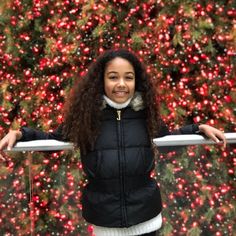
213, 133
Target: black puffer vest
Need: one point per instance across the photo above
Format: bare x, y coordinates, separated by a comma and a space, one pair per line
120, 191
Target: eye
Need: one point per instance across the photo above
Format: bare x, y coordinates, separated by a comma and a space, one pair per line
113, 77
129, 78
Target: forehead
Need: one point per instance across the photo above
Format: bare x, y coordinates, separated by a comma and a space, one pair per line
119, 64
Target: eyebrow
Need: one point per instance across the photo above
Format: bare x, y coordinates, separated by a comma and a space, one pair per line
130, 72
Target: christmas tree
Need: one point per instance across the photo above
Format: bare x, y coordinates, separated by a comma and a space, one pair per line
189, 48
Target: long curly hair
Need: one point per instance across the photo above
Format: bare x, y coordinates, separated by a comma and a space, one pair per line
82, 111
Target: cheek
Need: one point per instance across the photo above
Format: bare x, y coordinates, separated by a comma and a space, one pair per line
107, 88
132, 87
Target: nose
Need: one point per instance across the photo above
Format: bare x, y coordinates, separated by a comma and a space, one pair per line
122, 82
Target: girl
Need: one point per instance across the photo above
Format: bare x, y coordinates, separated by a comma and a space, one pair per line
112, 116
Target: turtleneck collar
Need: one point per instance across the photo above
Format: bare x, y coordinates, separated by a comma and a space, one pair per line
136, 102
115, 104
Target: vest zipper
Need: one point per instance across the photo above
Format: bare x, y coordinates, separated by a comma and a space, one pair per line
122, 167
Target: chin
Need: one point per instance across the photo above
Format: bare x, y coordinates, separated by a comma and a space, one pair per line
120, 100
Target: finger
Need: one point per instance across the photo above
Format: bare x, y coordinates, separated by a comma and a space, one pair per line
2, 158
214, 138
225, 142
223, 138
3, 144
11, 143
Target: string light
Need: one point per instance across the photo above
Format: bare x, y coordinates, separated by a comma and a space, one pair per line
192, 62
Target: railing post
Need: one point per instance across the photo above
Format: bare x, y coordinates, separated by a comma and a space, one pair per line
31, 192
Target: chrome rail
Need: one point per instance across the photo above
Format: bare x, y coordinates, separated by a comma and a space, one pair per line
169, 140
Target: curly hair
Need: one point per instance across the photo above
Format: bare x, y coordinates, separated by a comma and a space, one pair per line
82, 111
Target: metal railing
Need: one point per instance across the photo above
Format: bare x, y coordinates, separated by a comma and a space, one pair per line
169, 140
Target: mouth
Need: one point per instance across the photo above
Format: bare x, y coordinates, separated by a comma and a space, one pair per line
120, 93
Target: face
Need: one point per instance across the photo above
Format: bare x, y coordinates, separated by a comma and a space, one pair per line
119, 80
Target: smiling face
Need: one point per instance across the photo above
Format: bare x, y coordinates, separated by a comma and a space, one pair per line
119, 80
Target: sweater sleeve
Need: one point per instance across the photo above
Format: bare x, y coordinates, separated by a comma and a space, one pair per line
30, 134
187, 129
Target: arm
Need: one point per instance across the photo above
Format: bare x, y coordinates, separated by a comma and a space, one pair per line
27, 134
213, 133
209, 131
188, 129
9, 140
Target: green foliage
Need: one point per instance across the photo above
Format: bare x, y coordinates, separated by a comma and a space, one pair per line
168, 229
194, 232
187, 47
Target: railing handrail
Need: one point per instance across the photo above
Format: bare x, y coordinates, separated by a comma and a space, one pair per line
168, 140
190, 139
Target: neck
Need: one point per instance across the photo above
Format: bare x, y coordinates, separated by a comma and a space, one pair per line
115, 104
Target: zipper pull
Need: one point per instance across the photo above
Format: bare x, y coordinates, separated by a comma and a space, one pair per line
118, 115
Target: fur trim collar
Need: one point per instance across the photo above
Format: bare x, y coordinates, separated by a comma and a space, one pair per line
136, 102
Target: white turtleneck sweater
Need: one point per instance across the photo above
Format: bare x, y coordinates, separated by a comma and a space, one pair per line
142, 228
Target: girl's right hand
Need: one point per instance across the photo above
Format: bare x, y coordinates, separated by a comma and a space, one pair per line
9, 140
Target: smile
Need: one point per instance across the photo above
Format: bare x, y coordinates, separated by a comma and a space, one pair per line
120, 93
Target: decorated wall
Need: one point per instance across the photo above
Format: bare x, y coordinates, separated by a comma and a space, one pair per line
189, 49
